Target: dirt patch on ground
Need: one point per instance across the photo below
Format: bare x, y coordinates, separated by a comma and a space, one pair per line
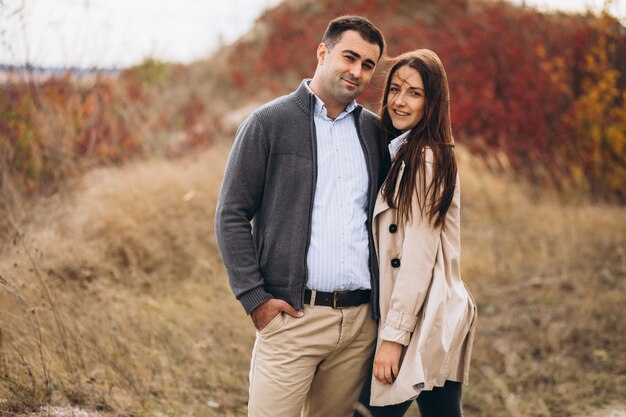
65, 412
613, 410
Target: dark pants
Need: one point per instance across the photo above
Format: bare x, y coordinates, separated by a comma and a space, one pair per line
440, 402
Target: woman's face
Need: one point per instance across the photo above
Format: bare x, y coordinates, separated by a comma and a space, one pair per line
405, 99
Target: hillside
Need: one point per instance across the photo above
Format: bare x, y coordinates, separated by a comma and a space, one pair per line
546, 93
113, 298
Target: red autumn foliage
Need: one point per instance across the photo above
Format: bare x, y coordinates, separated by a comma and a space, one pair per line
50, 128
544, 93
55, 128
516, 75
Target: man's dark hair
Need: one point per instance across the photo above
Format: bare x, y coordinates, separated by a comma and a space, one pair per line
364, 27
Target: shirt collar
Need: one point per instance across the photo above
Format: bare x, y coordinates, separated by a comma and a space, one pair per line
320, 107
395, 144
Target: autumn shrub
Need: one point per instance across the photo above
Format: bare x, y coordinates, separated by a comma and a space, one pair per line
540, 92
598, 117
51, 129
55, 128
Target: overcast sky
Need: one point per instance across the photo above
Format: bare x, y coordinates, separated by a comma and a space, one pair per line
115, 33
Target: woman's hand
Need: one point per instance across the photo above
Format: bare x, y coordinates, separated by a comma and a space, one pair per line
387, 362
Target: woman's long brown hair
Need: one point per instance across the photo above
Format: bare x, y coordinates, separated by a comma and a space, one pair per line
433, 131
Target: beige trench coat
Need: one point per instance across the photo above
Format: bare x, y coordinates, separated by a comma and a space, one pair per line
423, 301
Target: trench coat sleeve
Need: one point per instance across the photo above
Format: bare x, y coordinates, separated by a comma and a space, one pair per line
238, 202
417, 260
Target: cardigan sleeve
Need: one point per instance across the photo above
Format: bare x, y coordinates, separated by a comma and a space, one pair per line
419, 252
239, 199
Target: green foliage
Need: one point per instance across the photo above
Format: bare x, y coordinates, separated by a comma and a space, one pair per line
149, 71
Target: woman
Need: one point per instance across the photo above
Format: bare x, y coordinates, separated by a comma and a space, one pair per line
428, 316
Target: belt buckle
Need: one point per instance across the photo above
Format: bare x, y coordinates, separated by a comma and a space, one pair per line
335, 300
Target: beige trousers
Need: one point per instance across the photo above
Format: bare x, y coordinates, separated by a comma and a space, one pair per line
312, 366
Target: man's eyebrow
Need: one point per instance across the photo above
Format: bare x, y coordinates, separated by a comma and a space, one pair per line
357, 55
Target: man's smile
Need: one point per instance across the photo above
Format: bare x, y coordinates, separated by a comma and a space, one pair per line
353, 83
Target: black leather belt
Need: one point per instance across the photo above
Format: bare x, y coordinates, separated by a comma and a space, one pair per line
339, 299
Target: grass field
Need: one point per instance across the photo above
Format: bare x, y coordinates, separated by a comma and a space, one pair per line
113, 297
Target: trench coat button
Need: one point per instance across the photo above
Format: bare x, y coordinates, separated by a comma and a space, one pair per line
393, 228
395, 262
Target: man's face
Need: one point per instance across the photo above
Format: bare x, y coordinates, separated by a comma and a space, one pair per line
347, 68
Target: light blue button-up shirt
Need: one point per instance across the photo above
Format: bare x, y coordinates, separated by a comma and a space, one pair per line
395, 144
338, 256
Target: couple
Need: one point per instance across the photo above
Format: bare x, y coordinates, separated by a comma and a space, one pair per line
340, 235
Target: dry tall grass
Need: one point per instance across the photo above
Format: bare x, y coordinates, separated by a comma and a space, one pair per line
550, 279
113, 297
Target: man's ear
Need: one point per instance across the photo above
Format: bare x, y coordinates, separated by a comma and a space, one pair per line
322, 51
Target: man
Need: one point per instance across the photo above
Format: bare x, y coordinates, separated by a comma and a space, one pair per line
292, 224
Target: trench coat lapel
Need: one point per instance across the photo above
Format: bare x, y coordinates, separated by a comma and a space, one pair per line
381, 203
382, 206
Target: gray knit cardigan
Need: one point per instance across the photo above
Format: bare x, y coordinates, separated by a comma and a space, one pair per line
263, 215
